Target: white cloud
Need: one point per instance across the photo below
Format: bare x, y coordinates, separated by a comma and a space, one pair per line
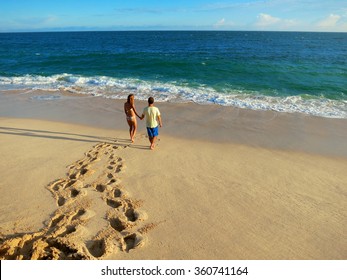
269, 22
220, 23
330, 21
224, 24
265, 20
36, 21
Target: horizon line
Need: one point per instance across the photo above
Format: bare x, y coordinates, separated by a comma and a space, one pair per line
168, 30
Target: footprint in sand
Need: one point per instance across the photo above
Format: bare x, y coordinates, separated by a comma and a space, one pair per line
95, 217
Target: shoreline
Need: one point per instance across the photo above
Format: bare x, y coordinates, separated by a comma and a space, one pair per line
223, 183
213, 123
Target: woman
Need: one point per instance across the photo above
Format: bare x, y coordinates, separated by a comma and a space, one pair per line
130, 112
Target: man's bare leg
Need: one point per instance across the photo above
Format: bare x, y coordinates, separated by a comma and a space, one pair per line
152, 140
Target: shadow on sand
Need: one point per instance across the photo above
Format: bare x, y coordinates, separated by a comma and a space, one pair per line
58, 135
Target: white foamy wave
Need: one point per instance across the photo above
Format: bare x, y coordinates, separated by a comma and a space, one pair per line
109, 87
26, 81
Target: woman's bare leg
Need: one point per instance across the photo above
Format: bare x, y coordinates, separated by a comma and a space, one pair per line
130, 123
134, 131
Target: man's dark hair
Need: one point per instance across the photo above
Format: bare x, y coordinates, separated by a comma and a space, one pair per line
150, 100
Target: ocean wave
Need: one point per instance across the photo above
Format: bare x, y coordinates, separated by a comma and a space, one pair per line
114, 88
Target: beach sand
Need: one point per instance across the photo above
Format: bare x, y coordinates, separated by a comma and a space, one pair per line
222, 183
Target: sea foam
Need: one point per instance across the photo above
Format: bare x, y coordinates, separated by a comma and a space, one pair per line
109, 87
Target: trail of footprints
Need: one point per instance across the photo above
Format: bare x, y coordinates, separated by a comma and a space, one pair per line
90, 197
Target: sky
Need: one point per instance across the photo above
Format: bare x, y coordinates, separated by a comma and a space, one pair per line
85, 15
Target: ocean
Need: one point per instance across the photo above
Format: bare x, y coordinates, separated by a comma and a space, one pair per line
281, 71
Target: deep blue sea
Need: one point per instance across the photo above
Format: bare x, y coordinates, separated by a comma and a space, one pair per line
281, 71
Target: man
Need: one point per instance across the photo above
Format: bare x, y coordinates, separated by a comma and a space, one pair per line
153, 117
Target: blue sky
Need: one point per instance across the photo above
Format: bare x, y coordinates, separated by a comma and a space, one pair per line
80, 15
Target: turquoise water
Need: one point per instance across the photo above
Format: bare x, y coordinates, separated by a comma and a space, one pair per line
281, 71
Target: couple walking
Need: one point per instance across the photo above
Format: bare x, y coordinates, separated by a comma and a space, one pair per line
152, 115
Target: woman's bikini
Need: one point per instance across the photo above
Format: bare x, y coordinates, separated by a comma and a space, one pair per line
132, 117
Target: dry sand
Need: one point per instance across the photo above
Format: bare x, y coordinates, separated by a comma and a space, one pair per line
222, 183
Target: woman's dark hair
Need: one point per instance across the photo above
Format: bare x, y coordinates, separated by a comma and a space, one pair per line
130, 95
